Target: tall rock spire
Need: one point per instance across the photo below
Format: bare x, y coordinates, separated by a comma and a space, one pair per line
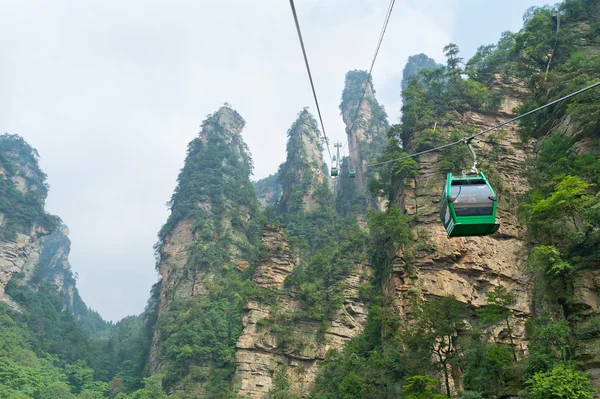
303, 172
204, 249
366, 130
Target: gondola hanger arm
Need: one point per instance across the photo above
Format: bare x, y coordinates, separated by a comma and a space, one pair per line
468, 140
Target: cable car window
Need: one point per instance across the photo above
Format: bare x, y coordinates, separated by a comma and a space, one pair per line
444, 211
472, 200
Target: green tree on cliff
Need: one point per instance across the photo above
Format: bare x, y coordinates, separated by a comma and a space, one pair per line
499, 302
438, 323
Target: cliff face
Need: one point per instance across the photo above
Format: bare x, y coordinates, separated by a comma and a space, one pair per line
303, 172
19, 255
288, 329
586, 289
34, 246
23, 221
274, 342
416, 63
54, 265
208, 269
366, 130
467, 267
203, 215
268, 190
207, 243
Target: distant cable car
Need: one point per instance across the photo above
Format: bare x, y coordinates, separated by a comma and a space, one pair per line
334, 171
352, 173
468, 206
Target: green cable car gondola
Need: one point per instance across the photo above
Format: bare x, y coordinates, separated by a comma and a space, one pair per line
334, 171
468, 206
352, 173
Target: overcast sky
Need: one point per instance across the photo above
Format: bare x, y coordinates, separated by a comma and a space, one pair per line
110, 93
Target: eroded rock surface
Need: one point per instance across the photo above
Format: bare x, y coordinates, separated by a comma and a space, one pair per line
467, 267
20, 255
268, 346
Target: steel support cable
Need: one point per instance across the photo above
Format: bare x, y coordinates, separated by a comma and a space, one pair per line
468, 138
312, 85
379, 41
365, 85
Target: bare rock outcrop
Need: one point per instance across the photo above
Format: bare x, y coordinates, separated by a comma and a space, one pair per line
20, 255
271, 343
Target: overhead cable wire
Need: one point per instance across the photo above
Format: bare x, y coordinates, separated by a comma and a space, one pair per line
382, 34
469, 138
369, 76
312, 85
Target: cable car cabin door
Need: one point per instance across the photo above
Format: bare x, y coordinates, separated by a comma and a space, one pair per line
468, 206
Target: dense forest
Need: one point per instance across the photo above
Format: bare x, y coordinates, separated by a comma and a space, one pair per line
293, 304
397, 358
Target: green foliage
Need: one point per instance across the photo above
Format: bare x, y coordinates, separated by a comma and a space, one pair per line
561, 212
421, 387
588, 329
471, 395
18, 160
392, 174
571, 66
566, 202
392, 226
58, 390
121, 354
54, 347
320, 276
554, 275
433, 100
499, 300
547, 259
493, 59
549, 343
202, 332
436, 324
268, 188
414, 65
562, 382
457, 158
327, 244
488, 367
27, 370
370, 123
152, 389
199, 332
349, 197
435, 96
281, 386
216, 173
55, 329
368, 367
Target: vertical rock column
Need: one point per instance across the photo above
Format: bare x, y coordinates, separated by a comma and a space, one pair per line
212, 221
366, 130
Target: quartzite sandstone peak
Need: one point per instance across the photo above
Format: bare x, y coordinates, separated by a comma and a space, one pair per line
366, 130
304, 168
213, 211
